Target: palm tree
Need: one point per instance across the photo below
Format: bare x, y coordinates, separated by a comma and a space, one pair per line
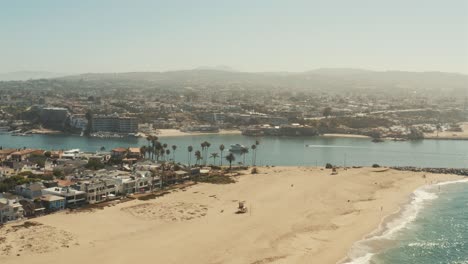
174, 147
230, 158
189, 149
254, 154
221, 148
207, 145
244, 151
149, 139
161, 154
149, 151
168, 152
157, 149
198, 156
203, 148
214, 156
143, 150
438, 128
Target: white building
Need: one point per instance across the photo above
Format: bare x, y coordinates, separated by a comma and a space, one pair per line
10, 210
72, 197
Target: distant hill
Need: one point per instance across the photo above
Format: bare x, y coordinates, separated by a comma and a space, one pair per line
28, 75
330, 80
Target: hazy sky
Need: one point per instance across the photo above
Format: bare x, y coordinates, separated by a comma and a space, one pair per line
251, 35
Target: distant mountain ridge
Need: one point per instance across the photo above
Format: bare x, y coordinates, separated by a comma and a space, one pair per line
29, 75
324, 79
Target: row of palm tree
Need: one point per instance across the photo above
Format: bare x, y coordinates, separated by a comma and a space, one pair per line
155, 150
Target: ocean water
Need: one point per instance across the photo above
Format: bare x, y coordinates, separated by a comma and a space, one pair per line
431, 229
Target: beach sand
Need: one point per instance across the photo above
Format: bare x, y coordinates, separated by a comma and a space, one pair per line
345, 135
463, 135
178, 133
295, 215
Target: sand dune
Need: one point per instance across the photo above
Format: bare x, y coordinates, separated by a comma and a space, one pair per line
295, 215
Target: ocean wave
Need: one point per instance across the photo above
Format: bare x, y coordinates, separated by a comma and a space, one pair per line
363, 250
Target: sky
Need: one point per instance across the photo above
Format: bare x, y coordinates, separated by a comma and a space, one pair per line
247, 35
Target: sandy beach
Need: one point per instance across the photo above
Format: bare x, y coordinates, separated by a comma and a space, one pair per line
296, 215
345, 136
178, 133
463, 135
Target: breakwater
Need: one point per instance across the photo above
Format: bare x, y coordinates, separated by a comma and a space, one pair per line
461, 172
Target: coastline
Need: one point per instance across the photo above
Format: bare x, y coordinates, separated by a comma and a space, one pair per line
345, 136
178, 133
319, 217
363, 251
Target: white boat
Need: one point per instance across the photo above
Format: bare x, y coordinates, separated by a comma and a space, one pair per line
236, 147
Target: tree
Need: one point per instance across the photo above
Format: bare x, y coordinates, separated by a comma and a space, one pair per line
205, 146
438, 129
94, 164
149, 139
230, 158
174, 147
143, 150
327, 112
189, 149
198, 156
221, 148
168, 152
89, 126
244, 151
208, 145
57, 172
254, 154
38, 159
415, 134
47, 154
214, 156
157, 149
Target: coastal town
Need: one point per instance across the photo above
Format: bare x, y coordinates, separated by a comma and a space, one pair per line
34, 182
101, 109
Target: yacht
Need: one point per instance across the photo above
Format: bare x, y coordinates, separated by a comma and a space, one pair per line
236, 147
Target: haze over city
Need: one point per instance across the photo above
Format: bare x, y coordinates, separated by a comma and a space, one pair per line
127, 36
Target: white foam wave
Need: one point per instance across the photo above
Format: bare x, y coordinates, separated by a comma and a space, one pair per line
361, 260
362, 251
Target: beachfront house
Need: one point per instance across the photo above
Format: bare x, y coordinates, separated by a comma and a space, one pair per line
10, 210
5, 154
119, 153
30, 191
134, 153
25, 154
32, 208
73, 198
98, 190
134, 184
53, 203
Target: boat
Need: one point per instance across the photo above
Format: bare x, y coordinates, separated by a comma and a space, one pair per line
236, 147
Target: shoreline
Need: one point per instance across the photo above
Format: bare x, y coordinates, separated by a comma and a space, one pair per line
178, 133
344, 136
319, 217
393, 223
